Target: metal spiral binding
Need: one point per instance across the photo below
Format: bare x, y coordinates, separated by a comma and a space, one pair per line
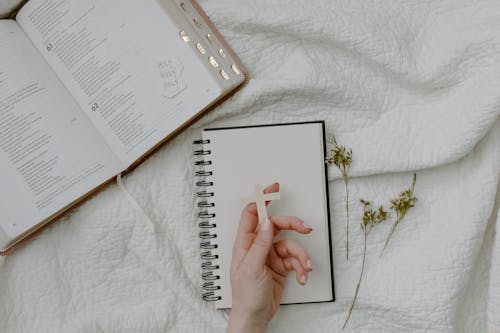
207, 244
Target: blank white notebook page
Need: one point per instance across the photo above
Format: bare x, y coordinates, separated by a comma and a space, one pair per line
292, 155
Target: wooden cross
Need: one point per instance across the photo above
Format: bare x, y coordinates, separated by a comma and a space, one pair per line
260, 198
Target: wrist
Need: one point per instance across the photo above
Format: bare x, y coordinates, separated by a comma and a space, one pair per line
244, 321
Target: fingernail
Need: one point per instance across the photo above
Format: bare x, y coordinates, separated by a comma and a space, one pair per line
303, 279
309, 264
267, 224
306, 226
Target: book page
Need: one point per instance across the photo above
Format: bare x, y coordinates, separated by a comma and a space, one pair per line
125, 64
50, 153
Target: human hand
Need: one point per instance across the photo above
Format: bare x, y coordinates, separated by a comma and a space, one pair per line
259, 267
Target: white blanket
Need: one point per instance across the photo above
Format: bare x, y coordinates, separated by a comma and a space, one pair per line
408, 85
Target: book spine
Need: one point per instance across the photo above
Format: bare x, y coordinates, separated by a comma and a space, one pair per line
206, 214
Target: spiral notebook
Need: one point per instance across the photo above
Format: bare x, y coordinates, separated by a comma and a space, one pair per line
230, 163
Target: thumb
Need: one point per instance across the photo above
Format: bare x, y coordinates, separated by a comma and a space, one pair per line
257, 255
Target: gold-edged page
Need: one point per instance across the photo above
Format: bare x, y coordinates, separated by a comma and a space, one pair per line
126, 64
50, 153
200, 34
222, 52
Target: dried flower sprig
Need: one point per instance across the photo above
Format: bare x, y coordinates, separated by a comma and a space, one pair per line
371, 218
341, 157
401, 205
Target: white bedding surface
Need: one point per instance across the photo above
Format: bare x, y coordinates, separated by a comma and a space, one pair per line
409, 85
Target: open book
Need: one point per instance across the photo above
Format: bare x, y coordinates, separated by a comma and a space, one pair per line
88, 88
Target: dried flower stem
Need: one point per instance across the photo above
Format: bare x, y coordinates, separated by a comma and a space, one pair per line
401, 206
370, 219
346, 183
359, 282
341, 157
396, 222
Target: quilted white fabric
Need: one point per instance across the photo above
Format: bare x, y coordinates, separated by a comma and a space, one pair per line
409, 85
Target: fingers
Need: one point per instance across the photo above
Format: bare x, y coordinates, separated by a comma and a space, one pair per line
282, 266
250, 210
249, 219
301, 274
290, 223
248, 223
257, 255
287, 248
